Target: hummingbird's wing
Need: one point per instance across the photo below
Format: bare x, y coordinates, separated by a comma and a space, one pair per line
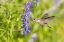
48, 18
44, 16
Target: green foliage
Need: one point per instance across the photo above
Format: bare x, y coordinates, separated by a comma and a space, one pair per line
10, 20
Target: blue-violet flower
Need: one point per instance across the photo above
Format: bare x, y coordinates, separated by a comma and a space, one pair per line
24, 26
32, 37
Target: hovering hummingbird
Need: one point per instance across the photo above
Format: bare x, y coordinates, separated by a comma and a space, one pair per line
44, 19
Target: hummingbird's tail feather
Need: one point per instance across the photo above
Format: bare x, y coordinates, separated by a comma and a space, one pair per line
49, 26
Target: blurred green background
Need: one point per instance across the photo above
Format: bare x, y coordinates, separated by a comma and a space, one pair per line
9, 20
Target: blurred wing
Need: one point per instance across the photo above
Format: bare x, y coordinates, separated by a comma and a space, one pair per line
44, 16
48, 18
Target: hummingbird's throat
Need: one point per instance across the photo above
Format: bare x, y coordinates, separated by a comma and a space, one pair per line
38, 21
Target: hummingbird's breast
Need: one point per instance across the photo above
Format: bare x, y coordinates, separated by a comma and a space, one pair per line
42, 22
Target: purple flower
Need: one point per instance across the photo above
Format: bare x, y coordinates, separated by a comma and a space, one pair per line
24, 26
53, 6
27, 4
54, 2
35, 0
32, 37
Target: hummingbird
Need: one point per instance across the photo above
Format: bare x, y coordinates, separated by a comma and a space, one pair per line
43, 20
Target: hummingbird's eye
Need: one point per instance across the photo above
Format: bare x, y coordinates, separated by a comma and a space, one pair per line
34, 19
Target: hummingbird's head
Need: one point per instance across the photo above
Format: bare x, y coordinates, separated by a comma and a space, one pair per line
36, 20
